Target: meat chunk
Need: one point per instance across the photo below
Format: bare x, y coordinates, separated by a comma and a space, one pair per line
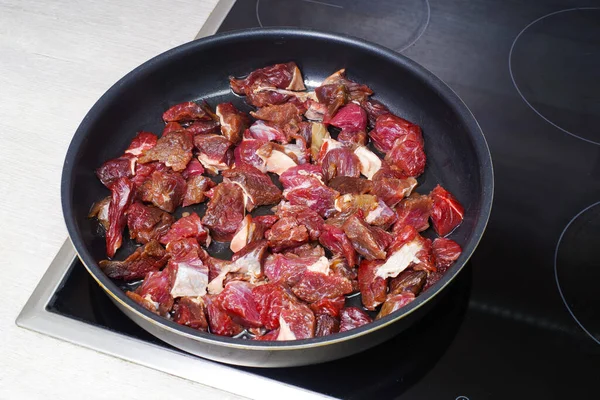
237, 300
350, 118
155, 292
142, 142
333, 96
414, 211
408, 281
389, 128
197, 187
280, 76
219, 321
288, 268
326, 325
249, 260
225, 211
190, 311
174, 150
319, 198
233, 121
373, 288
287, 232
100, 212
340, 267
340, 162
350, 185
188, 226
194, 168
250, 230
392, 187
408, 249
314, 286
265, 132
301, 176
352, 318
270, 300
296, 322
307, 250
185, 112
446, 212
149, 257
334, 239
214, 152
351, 139
394, 303
275, 158
146, 223
407, 156
112, 170
374, 109
247, 153
356, 91
369, 162
304, 215
279, 115
257, 187
121, 198
190, 274
445, 252
375, 211
328, 306
164, 189
371, 242
319, 134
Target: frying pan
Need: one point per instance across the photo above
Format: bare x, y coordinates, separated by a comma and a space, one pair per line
458, 158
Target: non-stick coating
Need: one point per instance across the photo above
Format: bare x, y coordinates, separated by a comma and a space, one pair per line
457, 157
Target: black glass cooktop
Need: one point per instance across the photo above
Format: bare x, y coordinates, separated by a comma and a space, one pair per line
523, 318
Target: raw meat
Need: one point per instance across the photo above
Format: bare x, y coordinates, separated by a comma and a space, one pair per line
197, 187
121, 199
350, 185
446, 212
233, 121
185, 112
334, 239
146, 223
188, 226
149, 257
326, 325
373, 288
352, 318
238, 302
219, 321
389, 128
214, 152
155, 292
258, 188
350, 118
394, 303
414, 211
174, 150
164, 189
445, 252
368, 241
408, 281
190, 311
225, 211
340, 162
314, 286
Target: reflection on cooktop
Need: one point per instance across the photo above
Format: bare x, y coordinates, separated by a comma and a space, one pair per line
556, 69
394, 24
576, 269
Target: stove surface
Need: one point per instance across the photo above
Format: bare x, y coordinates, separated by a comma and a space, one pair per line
522, 319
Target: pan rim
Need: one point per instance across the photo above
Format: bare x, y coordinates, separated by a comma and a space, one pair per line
442, 89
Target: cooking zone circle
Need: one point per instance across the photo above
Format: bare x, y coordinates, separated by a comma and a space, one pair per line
554, 69
363, 18
576, 269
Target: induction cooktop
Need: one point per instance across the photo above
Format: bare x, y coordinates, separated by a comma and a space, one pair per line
522, 320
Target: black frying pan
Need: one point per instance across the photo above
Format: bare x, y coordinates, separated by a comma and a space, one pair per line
458, 158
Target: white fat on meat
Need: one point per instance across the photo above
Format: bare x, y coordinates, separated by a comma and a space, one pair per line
210, 165
369, 162
151, 300
240, 239
297, 83
308, 173
216, 285
321, 265
277, 162
412, 184
328, 145
343, 199
374, 214
189, 281
400, 260
285, 333
249, 265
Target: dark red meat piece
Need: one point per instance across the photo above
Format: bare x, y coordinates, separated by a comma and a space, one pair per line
392, 190
287, 268
407, 156
353, 317
143, 172
333, 96
189, 226
280, 76
318, 198
172, 127
352, 138
156, 288
201, 127
194, 168
251, 229
351, 118
271, 335
351, 185
219, 321
142, 142
287, 232
304, 175
374, 109
307, 250
173, 150
446, 212
190, 312
197, 186
422, 255
164, 189
314, 286
225, 211
339, 267
279, 115
146, 222
304, 215
233, 121
326, 325
190, 274
214, 152
237, 300
258, 187
390, 128
373, 288
121, 198
414, 211
375, 211
185, 112
409, 280
150, 257
369, 241
356, 91
112, 170
327, 306
270, 299
265, 132
445, 252
246, 152
394, 303
340, 162
334, 239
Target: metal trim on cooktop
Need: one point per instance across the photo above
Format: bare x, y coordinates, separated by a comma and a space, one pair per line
216, 18
36, 317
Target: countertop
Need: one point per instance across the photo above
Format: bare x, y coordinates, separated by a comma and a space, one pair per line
57, 57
